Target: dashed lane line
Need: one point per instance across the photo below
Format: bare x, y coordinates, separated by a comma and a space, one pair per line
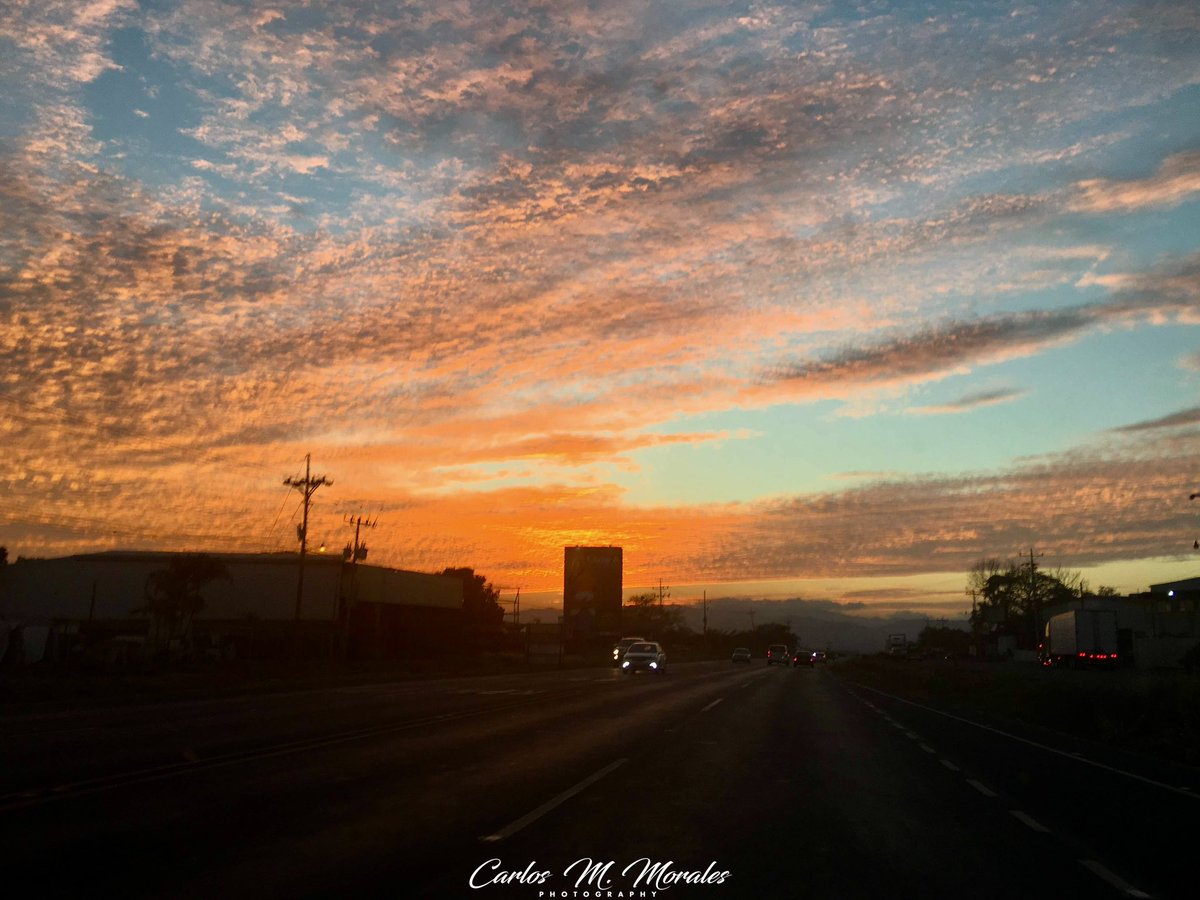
530, 817
1029, 821
981, 787
1096, 868
1084, 761
1113, 879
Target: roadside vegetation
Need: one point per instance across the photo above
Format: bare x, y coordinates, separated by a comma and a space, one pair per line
1155, 713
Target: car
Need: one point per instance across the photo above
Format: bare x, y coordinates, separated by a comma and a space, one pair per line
619, 648
741, 654
819, 656
802, 658
646, 655
778, 653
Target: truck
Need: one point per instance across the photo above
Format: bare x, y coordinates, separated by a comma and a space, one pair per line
1081, 637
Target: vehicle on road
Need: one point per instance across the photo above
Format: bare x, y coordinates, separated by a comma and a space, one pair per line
1080, 637
819, 656
741, 654
802, 658
645, 655
619, 648
778, 653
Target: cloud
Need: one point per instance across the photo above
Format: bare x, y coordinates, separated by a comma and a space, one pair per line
935, 352
1081, 508
448, 248
970, 402
1174, 420
1175, 181
1170, 293
306, 164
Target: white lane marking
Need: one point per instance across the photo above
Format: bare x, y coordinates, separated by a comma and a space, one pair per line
531, 817
926, 747
981, 787
949, 765
1057, 752
711, 705
1029, 821
1115, 880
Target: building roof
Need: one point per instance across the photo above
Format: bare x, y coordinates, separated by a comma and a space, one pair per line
1187, 584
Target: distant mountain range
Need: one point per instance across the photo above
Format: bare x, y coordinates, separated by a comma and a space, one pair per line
816, 623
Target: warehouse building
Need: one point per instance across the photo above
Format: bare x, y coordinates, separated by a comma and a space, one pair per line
55, 607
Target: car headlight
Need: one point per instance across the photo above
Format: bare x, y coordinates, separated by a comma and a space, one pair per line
654, 665
625, 665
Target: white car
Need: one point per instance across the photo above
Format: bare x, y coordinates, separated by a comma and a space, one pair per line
621, 646
644, 655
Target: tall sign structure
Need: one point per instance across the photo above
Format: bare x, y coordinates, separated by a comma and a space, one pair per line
592, 591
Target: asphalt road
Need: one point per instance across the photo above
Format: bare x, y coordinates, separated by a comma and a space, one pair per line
710, 780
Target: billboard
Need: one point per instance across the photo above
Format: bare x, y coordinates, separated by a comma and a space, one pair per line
592, 591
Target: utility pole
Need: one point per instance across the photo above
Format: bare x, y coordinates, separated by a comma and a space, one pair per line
1034, 606
662, 592
357, 552
353, 554
306, 486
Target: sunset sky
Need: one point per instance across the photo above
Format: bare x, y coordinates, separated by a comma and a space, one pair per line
825, 300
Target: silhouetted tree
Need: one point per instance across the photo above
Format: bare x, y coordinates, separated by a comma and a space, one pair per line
643, 614
1009, 598
3, 556
173, 595
483, 616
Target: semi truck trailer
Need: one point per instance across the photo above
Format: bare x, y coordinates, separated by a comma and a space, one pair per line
1081, 637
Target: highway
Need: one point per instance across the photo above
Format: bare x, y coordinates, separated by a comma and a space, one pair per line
709, 780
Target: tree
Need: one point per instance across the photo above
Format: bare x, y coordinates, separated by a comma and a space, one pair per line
643, 614
483, 616
3, 556
1009, 598
173, 595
